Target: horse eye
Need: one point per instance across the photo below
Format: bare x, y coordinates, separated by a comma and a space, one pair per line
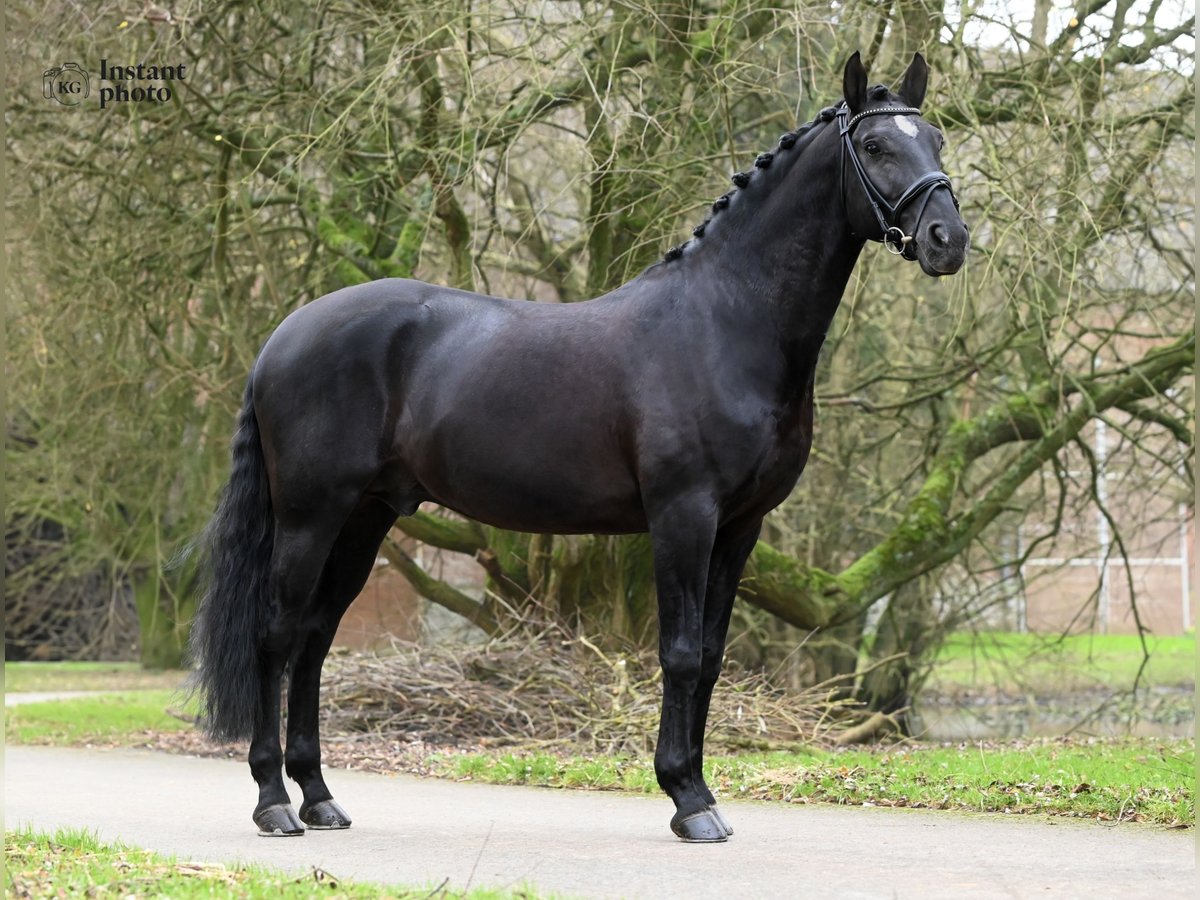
872, 148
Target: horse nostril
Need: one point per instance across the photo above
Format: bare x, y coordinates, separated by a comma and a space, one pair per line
938, 233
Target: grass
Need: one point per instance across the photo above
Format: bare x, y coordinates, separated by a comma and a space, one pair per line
73, 863
87, 676
120, 719
1141, 779
1052, 664
1133, 779
1125, 780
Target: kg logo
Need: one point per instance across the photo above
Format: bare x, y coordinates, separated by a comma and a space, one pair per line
68, 84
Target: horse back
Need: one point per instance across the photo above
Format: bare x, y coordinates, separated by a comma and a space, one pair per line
511, 412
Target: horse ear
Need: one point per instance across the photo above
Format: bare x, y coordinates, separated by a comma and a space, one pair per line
916, 78
854, 83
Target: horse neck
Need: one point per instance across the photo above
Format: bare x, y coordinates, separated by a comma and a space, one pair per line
783, 245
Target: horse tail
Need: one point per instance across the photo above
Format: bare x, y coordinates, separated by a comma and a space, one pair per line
234, 605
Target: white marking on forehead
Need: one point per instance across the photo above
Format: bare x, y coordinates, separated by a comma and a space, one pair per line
907, 125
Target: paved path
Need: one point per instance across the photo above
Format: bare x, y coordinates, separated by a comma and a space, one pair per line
580, 844
42, 696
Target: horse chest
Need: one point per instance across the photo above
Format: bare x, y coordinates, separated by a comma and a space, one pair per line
789, 449
773, 454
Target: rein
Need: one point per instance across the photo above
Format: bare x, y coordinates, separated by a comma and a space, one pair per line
891, 235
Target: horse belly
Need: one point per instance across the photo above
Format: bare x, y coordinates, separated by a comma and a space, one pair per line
533, 508
535, 494
524, 467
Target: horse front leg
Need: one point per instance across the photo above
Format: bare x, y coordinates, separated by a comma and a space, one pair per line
733, 546
682, 536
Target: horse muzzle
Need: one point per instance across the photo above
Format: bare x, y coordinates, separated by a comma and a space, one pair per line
940, 245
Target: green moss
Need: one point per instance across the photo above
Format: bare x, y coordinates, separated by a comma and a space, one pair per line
412, 236
856, 579
962, 429
806, 597
343, 241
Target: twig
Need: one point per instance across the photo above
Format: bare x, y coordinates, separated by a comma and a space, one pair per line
487, 837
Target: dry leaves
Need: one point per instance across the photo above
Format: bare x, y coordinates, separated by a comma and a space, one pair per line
556, 693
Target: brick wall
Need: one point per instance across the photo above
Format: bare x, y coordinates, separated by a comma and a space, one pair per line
387, 607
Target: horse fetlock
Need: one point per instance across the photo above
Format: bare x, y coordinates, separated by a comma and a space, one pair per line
672, 777
307, 774
266, 767
673, 770
702, 787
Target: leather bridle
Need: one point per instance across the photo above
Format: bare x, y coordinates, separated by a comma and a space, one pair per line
891, 235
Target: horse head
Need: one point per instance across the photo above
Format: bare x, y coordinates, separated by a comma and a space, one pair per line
892, 185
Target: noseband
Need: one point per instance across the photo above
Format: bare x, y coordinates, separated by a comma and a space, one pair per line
891, 235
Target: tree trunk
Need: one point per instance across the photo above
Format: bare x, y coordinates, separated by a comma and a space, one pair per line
909, 627
163, 620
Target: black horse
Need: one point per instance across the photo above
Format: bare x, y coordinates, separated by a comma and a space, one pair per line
680, 404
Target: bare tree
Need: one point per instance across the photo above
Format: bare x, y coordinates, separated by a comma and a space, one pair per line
551, 153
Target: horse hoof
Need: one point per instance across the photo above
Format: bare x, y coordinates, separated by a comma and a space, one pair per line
698, 828
324, 815
278, 821
721, 820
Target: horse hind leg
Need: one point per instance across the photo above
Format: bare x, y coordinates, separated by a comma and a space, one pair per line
345, 572
296, 563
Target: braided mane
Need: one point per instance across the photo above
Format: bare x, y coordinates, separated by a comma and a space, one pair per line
742, 180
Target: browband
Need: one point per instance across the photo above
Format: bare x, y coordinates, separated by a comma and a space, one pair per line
849, 123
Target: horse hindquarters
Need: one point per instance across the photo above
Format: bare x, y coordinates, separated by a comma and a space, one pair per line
334, 497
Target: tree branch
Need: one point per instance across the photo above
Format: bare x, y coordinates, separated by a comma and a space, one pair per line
438, 591
459, 535
1180, 431
926, 535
